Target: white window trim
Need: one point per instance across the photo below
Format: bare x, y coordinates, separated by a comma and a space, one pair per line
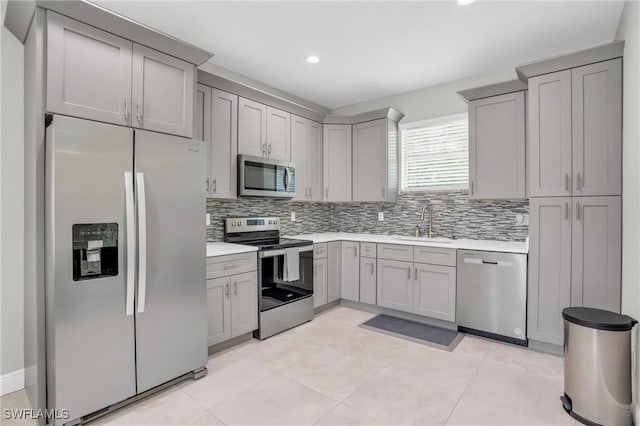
426, 123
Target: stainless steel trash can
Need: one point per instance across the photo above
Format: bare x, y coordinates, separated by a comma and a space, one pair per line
597, 366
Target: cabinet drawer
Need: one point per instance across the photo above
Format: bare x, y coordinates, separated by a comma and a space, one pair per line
319, 250
222, 266
395, 252
368, 249
434, 256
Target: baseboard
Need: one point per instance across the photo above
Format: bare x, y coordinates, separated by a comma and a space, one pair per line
12, 382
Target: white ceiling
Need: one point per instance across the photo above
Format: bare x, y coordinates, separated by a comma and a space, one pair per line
370, 49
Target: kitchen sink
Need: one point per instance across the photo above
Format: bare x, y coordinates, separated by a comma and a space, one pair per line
438, 240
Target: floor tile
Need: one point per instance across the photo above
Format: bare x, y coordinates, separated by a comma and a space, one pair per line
222, 383
473, 346
471, 411
16, 400
396, 399
524, 359
277, 400
342, 415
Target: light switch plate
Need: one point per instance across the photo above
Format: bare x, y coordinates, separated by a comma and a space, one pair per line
293, 216
208, 219
380, 216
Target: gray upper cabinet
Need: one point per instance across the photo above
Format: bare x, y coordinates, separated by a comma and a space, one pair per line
252, 128
337, 162
202, 114
306, 153
596, 252
550, 135
350, 271
163, 89
223, 147
549, 284
368, 282
334, 271
88, 71
434, 292
497, 147
597, 128
374, 176
278, 134
395, 285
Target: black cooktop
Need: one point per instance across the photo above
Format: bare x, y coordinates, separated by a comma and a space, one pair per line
275, 244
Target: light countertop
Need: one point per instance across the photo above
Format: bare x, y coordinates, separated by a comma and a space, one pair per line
465, 244
223, 249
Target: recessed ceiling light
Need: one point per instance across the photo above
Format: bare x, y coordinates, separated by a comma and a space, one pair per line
465, 2
313, 59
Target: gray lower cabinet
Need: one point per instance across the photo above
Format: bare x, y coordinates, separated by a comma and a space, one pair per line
368, 281
334, 274
497, 147
320, 273
395, 285
219, 308
434, 292
574, 260
350, 271
244, 303
88, 71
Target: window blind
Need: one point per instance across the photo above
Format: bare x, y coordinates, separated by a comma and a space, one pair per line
436, 157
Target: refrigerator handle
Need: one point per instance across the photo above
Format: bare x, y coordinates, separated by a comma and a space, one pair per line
131, 241
142, 242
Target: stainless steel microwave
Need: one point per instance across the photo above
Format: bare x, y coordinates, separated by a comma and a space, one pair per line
265, 177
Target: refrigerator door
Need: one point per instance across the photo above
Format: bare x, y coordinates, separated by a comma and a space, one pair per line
90, 337
171, 308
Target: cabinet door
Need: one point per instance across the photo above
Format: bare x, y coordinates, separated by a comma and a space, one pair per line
299, 155
223, 153
278, 134
597, 128
202, 126
219, 310
370, 161
350, 271
244, 306
313, 160
497, 147
320, 270
549, 267
434, 291
88, 71
163, 89
368, 275
395, 285
596, 253
337, 162
252, 128
334, 274
550, 135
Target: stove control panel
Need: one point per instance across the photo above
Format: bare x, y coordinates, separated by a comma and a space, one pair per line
251, 224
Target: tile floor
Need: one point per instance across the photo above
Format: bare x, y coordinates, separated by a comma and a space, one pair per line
332, 372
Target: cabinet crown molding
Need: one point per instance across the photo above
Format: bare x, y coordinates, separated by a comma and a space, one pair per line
492, 90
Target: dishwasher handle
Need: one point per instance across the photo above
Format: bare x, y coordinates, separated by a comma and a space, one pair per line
498, 263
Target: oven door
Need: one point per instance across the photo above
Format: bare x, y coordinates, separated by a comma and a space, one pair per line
261, 177
275, 290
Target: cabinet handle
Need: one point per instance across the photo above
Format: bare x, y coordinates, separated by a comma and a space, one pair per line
566, 211
215, 185
471, 187
227, 292
306, 193
138, 114
578, 182
371, 268
355, 253
310, 193
235, 288
578, 211
230, 266
409, 272
566, 182
264, 149
326, 193
269, 150
126, 111
383, 192
207, 185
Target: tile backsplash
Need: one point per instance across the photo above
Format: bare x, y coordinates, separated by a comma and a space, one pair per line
454, 214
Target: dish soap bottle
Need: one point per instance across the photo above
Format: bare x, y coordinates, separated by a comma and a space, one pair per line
417, 231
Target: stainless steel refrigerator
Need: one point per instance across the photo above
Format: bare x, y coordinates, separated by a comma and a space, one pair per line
125, 263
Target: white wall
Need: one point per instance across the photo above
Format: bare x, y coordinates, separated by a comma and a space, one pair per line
628, 31
11, 204
432, 101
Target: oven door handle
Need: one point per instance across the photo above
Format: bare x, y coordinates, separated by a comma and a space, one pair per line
274, 253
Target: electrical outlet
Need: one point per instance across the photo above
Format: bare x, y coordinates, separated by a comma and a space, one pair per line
519, 219
525, 219
208, 219
380, 216
293, 216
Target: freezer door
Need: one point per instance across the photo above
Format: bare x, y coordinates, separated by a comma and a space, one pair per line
171, 306
90, 337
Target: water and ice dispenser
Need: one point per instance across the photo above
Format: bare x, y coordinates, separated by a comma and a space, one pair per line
95, 250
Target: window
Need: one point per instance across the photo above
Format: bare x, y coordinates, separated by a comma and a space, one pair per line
435, 154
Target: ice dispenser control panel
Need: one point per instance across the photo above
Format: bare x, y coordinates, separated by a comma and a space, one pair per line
95, 250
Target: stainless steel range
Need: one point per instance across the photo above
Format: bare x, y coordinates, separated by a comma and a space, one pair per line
285, 272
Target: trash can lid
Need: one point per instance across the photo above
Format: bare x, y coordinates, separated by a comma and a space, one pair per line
598, 319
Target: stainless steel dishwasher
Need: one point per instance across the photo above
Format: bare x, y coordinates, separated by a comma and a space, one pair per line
492, 295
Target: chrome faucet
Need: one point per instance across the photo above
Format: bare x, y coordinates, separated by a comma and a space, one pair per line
430, 233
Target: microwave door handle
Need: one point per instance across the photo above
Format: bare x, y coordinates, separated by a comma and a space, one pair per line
287, 179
